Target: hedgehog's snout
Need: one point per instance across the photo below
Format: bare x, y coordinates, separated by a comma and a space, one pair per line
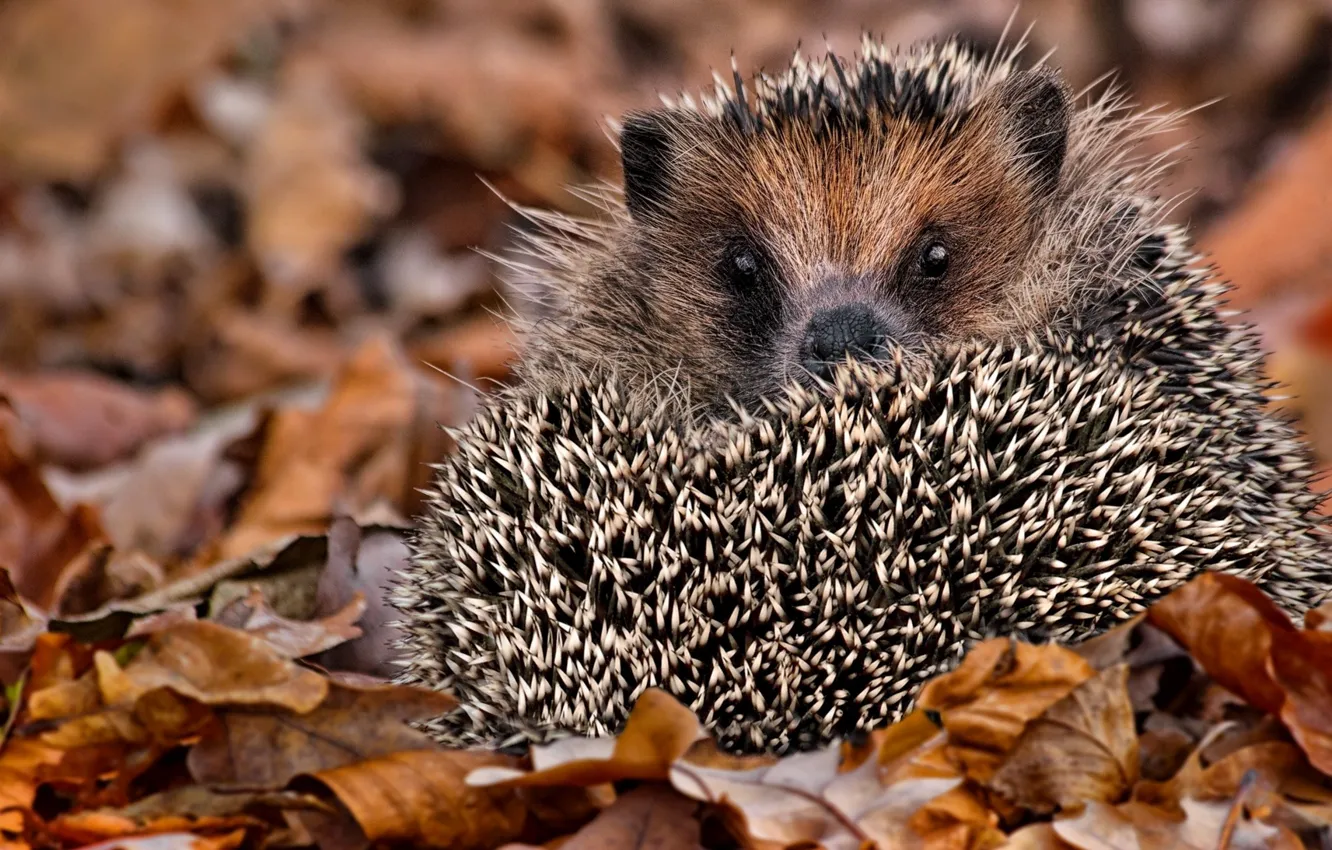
835, 333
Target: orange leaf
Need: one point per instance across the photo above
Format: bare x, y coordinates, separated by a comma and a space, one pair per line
987, 701
20, 762
421, 797
1227, 625
658, 732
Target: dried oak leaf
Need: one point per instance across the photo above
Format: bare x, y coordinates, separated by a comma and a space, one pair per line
422, 797
1227, 625
352, 724
648, 816
82, 420
658, 732
292, 638
215, 665
363, 445
1301, 665
807, 798
987, 701
21, 762
1083, 747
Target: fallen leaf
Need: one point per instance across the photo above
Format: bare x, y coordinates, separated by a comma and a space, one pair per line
215, 665
361, 446
81, 420
986, 702
292, 638
1083, 747
658, 732
806, 798
648, 816
76, 75
21, 761
421, 797
1226, 624
1302, 668
354, 723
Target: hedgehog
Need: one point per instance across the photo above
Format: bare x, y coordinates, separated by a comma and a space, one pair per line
866, 362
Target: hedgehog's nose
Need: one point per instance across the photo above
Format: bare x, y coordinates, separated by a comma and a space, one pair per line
832, 334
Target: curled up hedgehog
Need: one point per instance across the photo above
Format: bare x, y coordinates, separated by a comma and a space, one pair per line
865, 362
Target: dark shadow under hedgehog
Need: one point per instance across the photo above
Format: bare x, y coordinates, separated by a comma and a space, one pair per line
1049, 426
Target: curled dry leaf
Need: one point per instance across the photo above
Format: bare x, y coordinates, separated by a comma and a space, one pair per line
1084, 747
987, 701
1227, 624
267, 748
82, 420
1301, 666
658, 732
216, 665
362, 445
292, 638
806, 798
421, 798
648, 816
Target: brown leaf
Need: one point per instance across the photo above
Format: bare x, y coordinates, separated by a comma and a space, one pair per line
361, 446
1226, 624
421, 797
658, 732
354, 723
20, 763
215, 666
292, 638
81, 420
190, 807
1084, 747
987, 701
311, 192
806, 798
1302, 667
45, 549
75, 75
1279, 239
648, 816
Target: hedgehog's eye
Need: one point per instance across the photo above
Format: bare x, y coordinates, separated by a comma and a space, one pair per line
742, 268
934, 260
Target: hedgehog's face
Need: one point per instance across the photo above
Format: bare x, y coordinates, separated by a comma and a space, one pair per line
767, 256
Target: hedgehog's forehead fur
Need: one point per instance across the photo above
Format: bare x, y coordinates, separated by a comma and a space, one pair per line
833, 175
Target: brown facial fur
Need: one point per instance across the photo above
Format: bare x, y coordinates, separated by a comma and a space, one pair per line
834, 212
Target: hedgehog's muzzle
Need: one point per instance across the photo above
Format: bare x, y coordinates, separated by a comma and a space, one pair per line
848, 330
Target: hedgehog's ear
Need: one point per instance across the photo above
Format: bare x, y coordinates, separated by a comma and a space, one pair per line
1037, 111
647, 151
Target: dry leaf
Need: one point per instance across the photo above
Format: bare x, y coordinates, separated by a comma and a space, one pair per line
1082, 748
215, 666
658, 732
292, 638
352, 724
987, 701
1226, 624
360, 447
1302, 667
649, 816
421, 797
81, 420
21, 760
806, 798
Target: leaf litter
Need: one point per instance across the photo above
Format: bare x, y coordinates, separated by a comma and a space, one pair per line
237, 296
